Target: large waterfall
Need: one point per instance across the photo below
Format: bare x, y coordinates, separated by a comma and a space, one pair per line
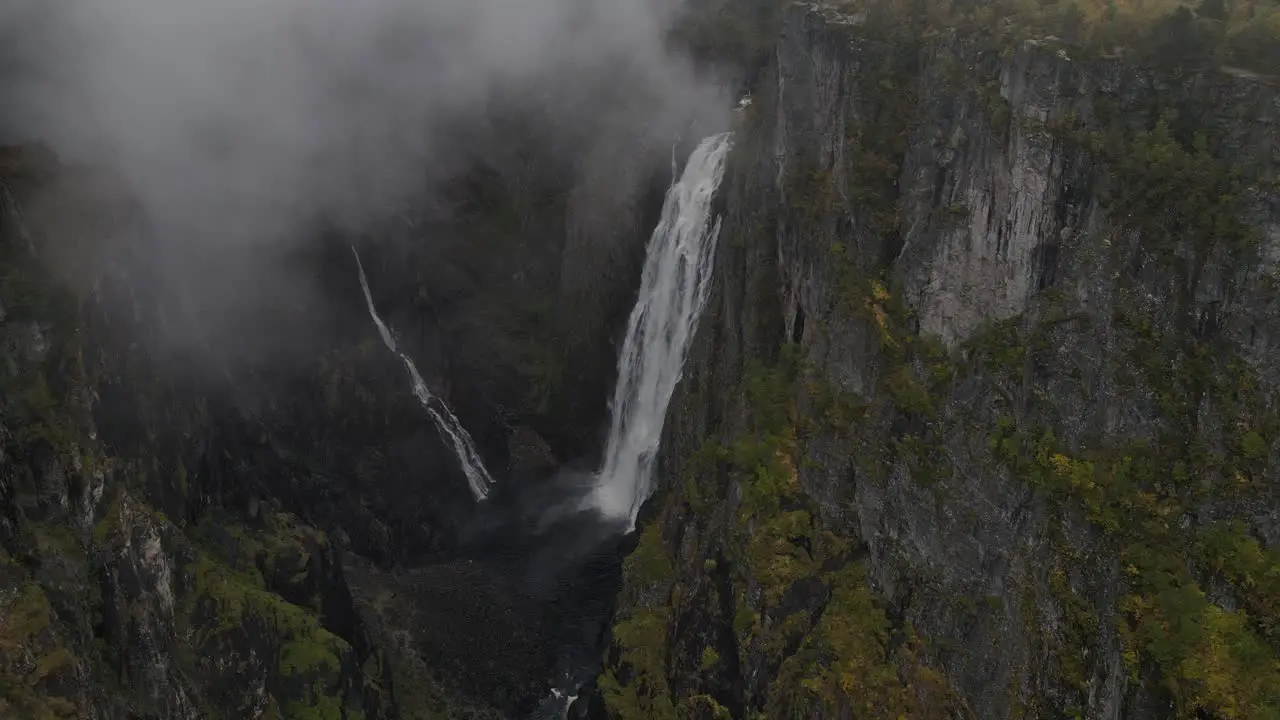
452, 431
673, 291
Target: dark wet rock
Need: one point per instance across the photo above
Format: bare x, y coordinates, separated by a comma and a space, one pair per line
948, 355
172, 504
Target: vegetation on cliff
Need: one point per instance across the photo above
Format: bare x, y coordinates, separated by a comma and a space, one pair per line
1140, 575
800, 604
756, 589
107, 605
1241, 34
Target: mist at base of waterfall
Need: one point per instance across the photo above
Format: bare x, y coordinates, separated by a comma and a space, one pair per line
542, 534
557, 537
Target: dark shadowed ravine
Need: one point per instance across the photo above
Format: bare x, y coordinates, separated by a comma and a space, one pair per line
568, 560
558, 538
448, 360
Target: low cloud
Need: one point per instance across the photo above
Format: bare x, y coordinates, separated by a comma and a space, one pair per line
242, 123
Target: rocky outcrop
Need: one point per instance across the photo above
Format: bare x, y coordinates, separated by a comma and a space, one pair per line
150, 569
109, 608
202, 501
978, 422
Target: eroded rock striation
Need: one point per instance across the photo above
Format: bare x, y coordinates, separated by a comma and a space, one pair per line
981, 419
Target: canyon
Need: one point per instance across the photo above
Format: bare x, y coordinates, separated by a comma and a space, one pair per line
977, 417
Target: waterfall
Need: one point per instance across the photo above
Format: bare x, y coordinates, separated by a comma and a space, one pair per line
450, 429
673, 291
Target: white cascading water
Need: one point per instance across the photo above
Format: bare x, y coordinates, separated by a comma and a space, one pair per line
673, 291
452, 431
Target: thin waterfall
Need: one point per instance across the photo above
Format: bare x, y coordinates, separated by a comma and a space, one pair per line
452, 431
673, 291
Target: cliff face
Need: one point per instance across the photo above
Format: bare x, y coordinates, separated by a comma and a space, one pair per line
135, 584
265, 524
980, 421
981, 418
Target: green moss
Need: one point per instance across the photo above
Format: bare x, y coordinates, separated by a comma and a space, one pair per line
780, 541
1210, 445
1001, 346
30, 654
908, 395
636, 686
1186, 208
710, 658
1079, 633
274, 553
702, 707
1174, 193
700, 479
643, 638
649, 563
746, 621
1253, 446
55, 541
846, 660
1231, 553
27, 616
55, 661
310, 652
224, 604
1209, 659
320, 707
777, 552
769, 478
636, 689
